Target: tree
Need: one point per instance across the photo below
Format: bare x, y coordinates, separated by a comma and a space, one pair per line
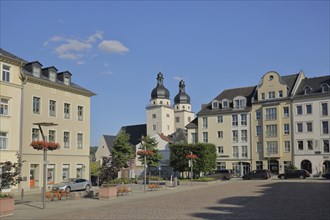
109, 169
122, 149
94, 168
9, 173
205, 161
150, 144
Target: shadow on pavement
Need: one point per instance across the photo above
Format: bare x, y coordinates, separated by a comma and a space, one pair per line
305, 200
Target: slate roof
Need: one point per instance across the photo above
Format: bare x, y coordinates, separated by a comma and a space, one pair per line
180, 136
11, 56
314, 83
290, 81
193, 123
109, 140
135, 132
229, 94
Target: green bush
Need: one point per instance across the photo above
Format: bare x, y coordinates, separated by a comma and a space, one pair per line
6, 195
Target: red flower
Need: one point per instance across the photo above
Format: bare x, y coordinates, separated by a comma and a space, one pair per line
44, 145
144, 152
191, 156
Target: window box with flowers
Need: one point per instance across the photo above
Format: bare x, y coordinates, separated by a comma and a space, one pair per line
44, 145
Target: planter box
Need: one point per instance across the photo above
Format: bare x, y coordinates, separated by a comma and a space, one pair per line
7, 206
108, 192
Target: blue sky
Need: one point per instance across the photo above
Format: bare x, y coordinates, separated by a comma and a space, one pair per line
116, 48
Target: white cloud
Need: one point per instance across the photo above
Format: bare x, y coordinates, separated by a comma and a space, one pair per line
113, 46
94, 37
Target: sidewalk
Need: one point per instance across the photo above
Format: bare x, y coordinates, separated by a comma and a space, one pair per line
31, 206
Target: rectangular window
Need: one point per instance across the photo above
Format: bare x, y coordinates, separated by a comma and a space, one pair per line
80, 113
65, 171
271, 95
235, 151
3, 140
153, 115
309, 126
66, 110
79, 171
66, 139
177, 119
299, 127
5, 73
244, 135
272, 147
325, 127
258, 114
271, 130
36, 71
244, 152
243, 120
259, 147
287, 146
4, 106
326, 146
299, 110
35, 134
52, 108
51, 136
225, 104
258, 130
204, 122
220, 149
271, 114
324, 107
263, 96
215, 104
36, 105
80, 140
220, 119
194, 137
235, 136
67, 80
154, 127
221, 165
52, 76
300, 145
286, 112
234, 120
205, 137
286, 128
309, 109
280, 94
310, 145
220, 134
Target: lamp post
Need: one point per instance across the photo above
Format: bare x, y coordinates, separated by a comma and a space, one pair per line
145, 171
46, 124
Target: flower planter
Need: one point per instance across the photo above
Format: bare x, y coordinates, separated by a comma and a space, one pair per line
7, 206
108, 192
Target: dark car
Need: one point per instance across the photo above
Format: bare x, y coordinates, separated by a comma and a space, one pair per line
301, 174
222, 174
326, 175
257, 174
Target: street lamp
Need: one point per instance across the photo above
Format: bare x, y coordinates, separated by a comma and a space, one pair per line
45, 124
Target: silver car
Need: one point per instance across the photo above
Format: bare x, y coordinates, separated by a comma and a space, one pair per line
72, 184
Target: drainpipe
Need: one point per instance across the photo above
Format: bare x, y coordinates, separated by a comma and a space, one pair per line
20, 150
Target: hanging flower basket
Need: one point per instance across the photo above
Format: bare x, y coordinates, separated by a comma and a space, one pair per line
144, 152
44, 145
191, 156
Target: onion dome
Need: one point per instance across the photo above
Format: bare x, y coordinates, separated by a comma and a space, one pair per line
160, 92
182, 97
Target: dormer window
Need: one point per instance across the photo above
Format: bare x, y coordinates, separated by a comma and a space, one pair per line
325, 88
308, 90
215, 104
239, 103
52, 76
67, 80
225, 104
36, 71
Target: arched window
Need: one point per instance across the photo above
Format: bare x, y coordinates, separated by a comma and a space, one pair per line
325, 88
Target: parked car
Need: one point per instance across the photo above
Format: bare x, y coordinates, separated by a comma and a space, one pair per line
326, 175
301, 174
257, 174
72, 184
222, 174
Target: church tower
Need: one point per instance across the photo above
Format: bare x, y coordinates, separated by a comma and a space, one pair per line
160, 114
182, 108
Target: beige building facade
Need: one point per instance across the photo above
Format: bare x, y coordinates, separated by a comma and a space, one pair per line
49, 96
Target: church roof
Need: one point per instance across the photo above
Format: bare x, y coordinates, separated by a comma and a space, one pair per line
160, 91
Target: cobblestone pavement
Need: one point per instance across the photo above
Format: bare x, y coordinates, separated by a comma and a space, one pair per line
264, 199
